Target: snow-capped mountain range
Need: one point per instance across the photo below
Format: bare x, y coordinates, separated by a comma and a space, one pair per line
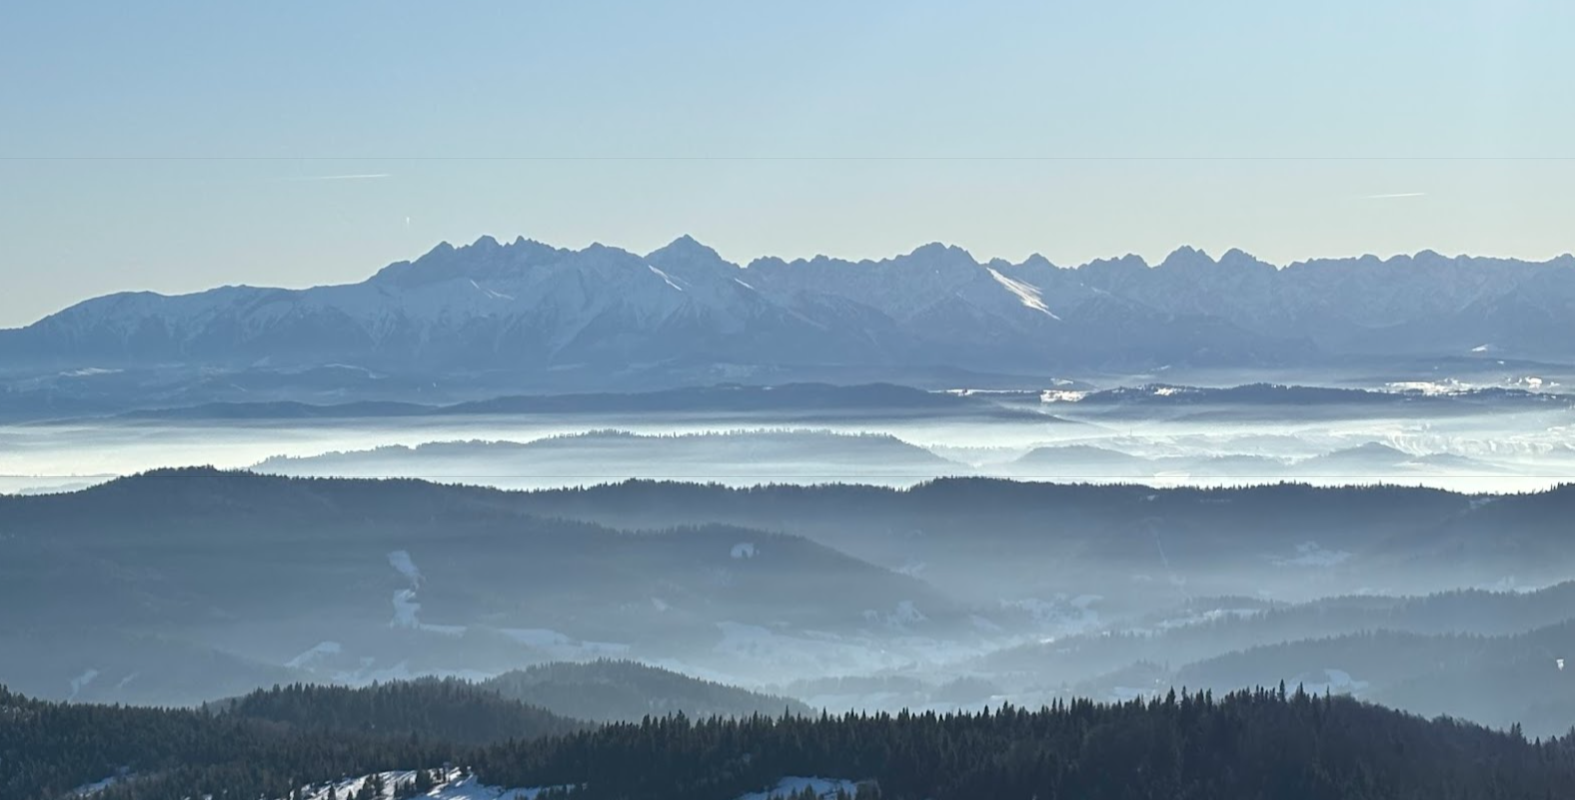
531, 308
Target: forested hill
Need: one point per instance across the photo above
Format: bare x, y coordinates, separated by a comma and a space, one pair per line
1265, 743
445, 710
266, 740
1268, 744
50, 749
610, 691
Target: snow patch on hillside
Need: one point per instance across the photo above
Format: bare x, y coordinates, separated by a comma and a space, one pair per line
1061, 396
1429, 388
406, 607
489, 293
664, 276
314, 653
787, 787
1027, 294
97, 787
1204, 617
1333, 681
455, 785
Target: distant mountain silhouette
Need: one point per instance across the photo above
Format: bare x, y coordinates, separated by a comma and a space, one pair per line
809, 400
1372, 460
762, 454
681, 314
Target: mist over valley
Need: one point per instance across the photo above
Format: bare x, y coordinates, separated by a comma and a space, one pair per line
503, 565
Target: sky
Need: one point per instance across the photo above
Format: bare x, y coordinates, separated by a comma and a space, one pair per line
177, 146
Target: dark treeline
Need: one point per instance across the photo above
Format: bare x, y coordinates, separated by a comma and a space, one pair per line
1382, 521
1246, 745
942, 496
265, 743
51, 748
1263, 743
446, 710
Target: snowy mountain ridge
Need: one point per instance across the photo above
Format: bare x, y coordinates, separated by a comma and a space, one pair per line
532, 307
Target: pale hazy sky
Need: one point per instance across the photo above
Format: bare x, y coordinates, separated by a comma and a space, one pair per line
177, 146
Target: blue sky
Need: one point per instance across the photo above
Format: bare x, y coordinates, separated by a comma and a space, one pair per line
180, 145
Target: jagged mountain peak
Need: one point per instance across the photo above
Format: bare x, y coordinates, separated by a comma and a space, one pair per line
486, 258
684, 249
688, 245
1131, 262
1186, 256
936, 250
1236, 255
525, 305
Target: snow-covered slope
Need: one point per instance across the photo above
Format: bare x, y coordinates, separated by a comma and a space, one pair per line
449, 784
528, 306
456, 784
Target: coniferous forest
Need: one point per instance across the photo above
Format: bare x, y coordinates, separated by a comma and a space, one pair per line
1269, 743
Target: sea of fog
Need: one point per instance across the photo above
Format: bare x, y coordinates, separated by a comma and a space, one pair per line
1495, 451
